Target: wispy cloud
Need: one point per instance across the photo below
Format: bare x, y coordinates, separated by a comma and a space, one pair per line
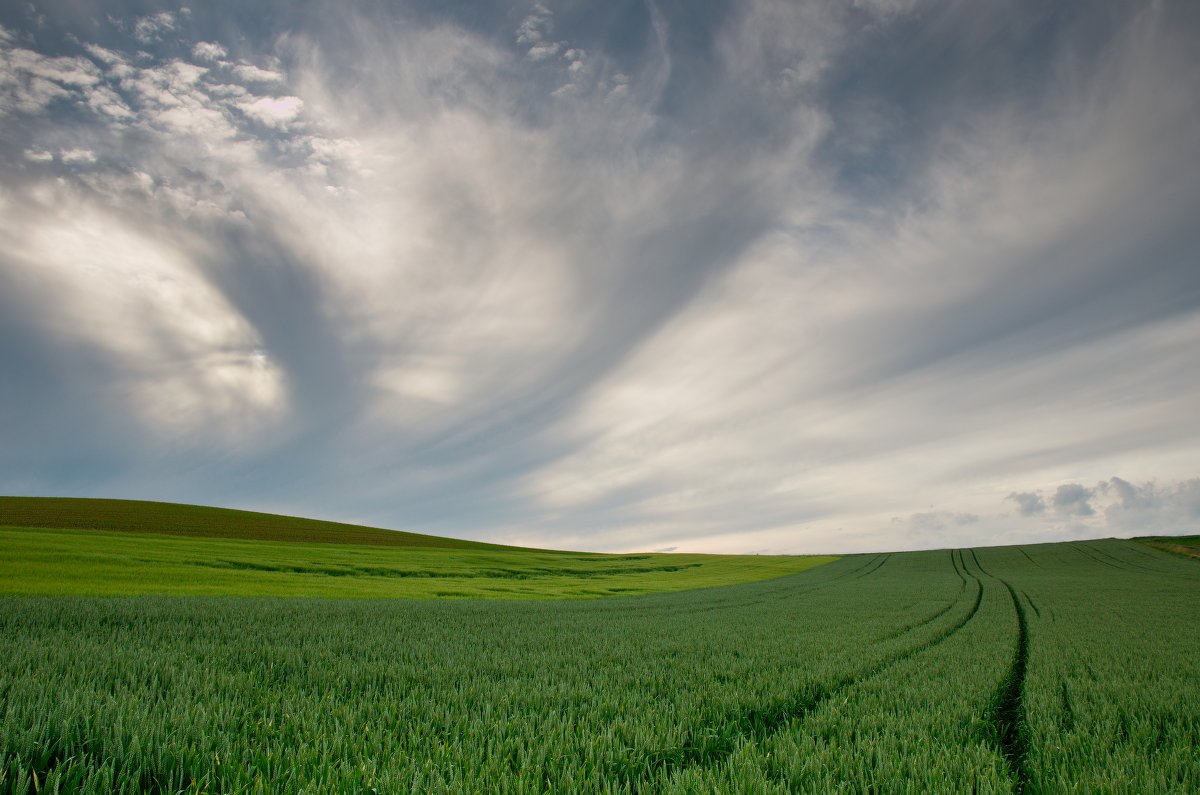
766, 279
152, 27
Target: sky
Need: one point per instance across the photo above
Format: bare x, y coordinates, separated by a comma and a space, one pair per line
765, 276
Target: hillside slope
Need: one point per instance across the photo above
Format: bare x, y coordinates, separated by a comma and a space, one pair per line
175, 519
121, 548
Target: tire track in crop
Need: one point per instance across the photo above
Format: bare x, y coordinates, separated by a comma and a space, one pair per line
1124, 563
1081, 550
866, 571
790, 594
930, 619
854, 574
709, 746
1006, 708
1140, 549
1102, 556
979, 565
1026, 554
789, 591
1037, 612
954, 563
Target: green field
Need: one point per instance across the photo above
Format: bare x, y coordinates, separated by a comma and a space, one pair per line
1051, 668
1188, 546
122, 548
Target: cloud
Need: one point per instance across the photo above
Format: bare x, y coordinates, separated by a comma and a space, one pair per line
78, 156
31, 81
536, 26
150, 28
104, 55
277, 112
763, 279
1151, 508
1071, 499
208, 51
1030, 503
250, 73
136, 300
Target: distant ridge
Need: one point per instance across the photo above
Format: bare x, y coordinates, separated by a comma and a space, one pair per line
174, 519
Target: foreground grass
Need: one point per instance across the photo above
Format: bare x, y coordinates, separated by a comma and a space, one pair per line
1046, 668
129, 548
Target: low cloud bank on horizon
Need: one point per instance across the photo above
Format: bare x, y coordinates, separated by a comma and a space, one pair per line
754, 276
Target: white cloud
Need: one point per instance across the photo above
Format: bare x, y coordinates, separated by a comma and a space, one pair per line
208, 51
816, 380
105, 100
30, 82
150, 28
277, 112
536, 26
77, 156
190, 363
543, 50
1151, 508
105, 55
253, 74
535, 32
631, 329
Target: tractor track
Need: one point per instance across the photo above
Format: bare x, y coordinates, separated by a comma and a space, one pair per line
1125, 564
710, 745
1092, 557
1006, 709
930, 619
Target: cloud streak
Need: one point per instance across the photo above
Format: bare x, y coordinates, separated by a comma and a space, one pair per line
757, 278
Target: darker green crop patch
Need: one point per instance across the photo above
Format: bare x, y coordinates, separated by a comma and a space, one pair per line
198, 521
